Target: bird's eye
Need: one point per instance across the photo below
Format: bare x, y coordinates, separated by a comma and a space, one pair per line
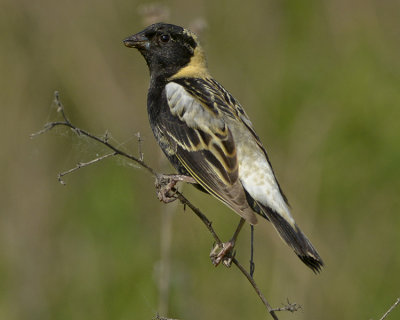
164, 37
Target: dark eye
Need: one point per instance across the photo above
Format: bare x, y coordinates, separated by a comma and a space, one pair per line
164, 37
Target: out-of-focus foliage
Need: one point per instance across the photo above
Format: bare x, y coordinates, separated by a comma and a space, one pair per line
319, 79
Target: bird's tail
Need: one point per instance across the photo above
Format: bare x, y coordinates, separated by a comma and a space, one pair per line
296, 239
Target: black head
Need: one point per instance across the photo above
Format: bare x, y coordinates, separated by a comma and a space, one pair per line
168, 50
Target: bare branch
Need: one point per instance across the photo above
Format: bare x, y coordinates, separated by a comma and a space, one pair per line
178, 195
78, 131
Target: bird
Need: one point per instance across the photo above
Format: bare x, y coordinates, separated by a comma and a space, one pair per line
206, 134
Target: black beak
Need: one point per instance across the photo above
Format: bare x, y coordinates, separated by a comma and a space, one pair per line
138, 41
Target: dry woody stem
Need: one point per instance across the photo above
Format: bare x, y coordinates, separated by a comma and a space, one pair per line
390, 309
178, 195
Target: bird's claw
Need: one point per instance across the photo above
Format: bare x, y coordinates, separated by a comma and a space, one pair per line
165, 188
223, 252
165, 185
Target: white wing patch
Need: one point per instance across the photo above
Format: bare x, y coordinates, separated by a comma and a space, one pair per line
190, 110
256, 175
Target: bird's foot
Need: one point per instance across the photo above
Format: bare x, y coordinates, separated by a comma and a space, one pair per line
224, 253
165, 186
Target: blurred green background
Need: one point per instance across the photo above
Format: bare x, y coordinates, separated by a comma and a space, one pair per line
320, 81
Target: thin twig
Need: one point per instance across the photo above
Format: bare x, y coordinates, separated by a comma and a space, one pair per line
259, 293
81, 165
140, 140
198, 213
67, 123
390, 309
291, 307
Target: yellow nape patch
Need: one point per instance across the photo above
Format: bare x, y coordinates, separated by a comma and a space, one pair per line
196, 68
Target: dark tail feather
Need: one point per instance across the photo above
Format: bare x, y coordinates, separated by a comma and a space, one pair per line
296, 239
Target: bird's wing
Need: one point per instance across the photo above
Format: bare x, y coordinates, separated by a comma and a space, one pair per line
220, 107
235, 110
213, 94
203, 143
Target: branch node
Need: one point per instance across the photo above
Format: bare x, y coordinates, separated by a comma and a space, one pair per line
291, 307
140, 140
77, 131
158, 317
60, 180
107, 136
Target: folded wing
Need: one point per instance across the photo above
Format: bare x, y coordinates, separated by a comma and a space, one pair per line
205, 147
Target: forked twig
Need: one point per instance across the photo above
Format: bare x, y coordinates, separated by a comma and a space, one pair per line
81, 165
290, 306
104, 140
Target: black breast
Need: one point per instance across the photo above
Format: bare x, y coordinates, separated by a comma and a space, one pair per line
159, 112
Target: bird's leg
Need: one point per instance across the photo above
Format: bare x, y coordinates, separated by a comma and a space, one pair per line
165, 185
223, 252
252, 265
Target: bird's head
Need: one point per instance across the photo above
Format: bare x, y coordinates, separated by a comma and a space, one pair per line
170, 51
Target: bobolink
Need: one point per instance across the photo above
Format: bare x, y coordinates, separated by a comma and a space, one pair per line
205, 133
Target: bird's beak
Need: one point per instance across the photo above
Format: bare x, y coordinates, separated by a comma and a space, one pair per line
138, 41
